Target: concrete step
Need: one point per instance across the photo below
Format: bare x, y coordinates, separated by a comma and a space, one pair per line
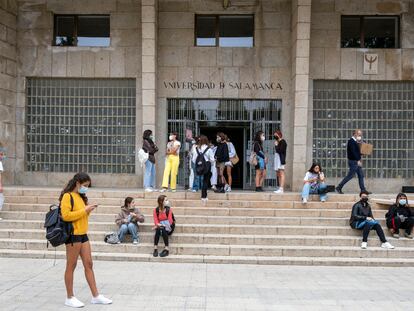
316, 261
307, 211
189, 219
223, 239
227, 250
122, 193
195, 203
204, 228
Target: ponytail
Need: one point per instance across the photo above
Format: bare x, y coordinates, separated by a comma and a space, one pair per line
71, 185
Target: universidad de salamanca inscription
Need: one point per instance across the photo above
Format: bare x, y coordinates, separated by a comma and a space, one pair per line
199, 85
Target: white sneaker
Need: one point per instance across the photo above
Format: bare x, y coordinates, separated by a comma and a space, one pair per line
364, 245
204, 200
74, 302
228, 189
278, 191
173, 190
135, 242
304, 200
214, 188
387, 245
101, 300
194, 190
226, 186
323, 200
148, 190
163, 190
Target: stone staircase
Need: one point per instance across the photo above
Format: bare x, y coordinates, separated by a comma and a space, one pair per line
240, 227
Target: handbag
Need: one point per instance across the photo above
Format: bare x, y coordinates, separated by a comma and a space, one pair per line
253, 159
234, 160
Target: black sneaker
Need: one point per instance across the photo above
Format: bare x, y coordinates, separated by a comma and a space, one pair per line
164, 253
369, 192
339, 190
155, 253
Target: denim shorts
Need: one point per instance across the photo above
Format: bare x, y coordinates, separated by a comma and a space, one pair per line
77, 239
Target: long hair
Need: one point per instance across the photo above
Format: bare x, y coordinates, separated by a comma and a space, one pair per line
222, 137
160, 201
312, 168
71, 185
257, 137
203, 140
128, 201
399, 196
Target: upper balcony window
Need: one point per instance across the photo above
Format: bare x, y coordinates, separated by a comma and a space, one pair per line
374, 32
224, 30
82, 30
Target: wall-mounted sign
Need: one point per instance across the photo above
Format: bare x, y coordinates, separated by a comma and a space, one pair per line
370, 64
199, 85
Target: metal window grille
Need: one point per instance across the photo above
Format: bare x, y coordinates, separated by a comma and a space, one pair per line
80, 125
385, 113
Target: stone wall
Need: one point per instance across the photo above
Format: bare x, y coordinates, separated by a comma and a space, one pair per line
39, 58
329, 61
269, 60
9, 114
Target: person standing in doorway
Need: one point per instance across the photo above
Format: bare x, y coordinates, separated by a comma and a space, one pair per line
229, 164
151, 148
172, 163
213, 179
354, 162
203, 159
222, 157
261, 160
75, 208
280, 160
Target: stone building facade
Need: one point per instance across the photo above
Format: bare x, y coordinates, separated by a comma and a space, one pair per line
297, 50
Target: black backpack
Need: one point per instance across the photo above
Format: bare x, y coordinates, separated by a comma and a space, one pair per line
58, 231
167, 212
202, 166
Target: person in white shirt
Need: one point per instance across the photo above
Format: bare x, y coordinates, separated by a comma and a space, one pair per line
172, 163
213, 179
229, 164
314, 183
1, 171
203, 168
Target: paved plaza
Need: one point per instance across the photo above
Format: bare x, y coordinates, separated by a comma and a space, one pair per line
31, 284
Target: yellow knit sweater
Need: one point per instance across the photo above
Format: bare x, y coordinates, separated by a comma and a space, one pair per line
78, 216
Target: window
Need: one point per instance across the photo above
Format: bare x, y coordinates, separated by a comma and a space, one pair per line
224, 30
381, 32
82, 30
75, 125
385, 113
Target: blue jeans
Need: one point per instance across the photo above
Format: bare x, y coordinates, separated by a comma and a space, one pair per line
149, 175
308, 190
197, 179
353, 168
128, 228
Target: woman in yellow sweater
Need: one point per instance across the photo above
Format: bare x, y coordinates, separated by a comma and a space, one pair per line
75, 208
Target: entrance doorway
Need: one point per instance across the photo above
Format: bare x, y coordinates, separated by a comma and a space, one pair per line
240, 119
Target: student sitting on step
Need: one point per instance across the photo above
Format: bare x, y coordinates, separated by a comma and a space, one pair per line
400, 216
164, 225
362, 219
314, 183
128, 219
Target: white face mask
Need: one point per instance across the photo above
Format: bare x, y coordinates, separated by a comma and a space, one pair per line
359, 138
171, 137
167, 203
262, 138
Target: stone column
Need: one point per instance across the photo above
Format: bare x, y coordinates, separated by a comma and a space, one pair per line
10, 115
149, 16
301, 26
149, 26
